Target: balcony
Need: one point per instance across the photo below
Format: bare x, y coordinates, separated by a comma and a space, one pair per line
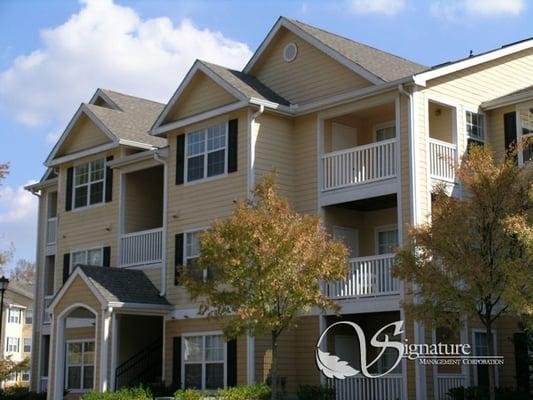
442, 158
51, 231
358, 165
388, 387
46, 314
141, 248
367, 277
445, 382
442, 138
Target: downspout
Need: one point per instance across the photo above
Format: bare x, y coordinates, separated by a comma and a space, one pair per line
35, 381
420, 372
251, 147
163, 290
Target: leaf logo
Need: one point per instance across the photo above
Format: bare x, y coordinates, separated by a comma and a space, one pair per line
333, 366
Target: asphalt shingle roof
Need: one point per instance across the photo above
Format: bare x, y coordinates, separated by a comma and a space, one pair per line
133, 121
123, 285
246, 84
386, 66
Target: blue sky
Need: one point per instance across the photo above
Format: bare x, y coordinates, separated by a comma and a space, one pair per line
55, 53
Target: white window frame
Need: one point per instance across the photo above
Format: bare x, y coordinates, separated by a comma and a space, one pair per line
185, 257
519, 136
383, 125
27, 374
496, 369
10, 347
483, 127
18, 319
86, 251
203, 362
88, 184
205, 154
83, 341
384, 228
28, 313
25, 344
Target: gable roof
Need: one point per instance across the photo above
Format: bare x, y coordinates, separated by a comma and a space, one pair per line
127, 123
375, 65
511, 98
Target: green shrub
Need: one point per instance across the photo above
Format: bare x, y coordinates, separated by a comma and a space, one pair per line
315, 392
20, 393
190, 394
482, 393
121, 394
251, 392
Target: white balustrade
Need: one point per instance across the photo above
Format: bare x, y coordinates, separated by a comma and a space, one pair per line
442, 160
388, 387
138, 248
445, 382
357, 165
367, 276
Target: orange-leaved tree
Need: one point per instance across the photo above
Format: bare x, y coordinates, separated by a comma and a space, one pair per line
267, 263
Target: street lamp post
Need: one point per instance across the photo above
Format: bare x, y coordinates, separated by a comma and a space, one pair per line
4, 282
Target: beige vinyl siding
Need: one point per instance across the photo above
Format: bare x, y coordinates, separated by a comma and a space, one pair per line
423, 184
201, 94
313, 74
84, 135
195, 205
305, 160
84, 228
496, 130
199, 325
274, 151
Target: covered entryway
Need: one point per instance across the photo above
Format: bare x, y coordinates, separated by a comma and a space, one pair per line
107, 331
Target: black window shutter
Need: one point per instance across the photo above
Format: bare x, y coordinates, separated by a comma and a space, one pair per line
180, 159
509, 126
232, 362
176, 361
233, 127
108, 181
66, 266
70, 184
107, 257
178, 257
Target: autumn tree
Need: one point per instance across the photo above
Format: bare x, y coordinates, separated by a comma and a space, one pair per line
266, 263
24, 271
8, 367
475, 258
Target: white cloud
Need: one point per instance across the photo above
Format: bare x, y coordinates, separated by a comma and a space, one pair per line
386, 7
455, 9
110, 46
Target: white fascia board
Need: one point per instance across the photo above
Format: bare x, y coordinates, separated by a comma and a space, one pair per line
34, 187
133, 158
139, 145
83, 153
422, 78
283, 22
82, 109
100, 93
77, 272
507, 100
218, 79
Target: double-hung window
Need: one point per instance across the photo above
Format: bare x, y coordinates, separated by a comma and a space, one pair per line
80, 365
475, 128
385, 131
526, 128
29, 317
14, 316
192, 252
204, 362
87, 257
387, 240
89, 183
206, 152
25, 376
27, 345
12, 344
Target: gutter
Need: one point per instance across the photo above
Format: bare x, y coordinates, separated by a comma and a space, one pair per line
252, 138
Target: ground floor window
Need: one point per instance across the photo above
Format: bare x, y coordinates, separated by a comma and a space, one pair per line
204, 362
25, 376
80, 365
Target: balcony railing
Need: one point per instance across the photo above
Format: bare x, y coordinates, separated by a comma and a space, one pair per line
367, 276
388, 387
445, 382
357, 165
442, 160
51, 231
138, 248
43, 384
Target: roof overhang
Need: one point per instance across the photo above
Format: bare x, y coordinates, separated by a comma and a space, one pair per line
35, 187
508, 100
283, 22
422, 78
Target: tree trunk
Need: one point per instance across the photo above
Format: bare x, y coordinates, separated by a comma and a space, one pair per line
490, 367
274, 368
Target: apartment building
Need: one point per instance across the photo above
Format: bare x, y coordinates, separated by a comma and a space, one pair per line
357, 136
16, 335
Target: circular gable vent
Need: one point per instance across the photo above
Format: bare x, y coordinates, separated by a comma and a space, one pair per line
290, 52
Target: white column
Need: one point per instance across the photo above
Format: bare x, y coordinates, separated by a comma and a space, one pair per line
104, 364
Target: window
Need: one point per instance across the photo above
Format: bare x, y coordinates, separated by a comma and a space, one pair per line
385, 131
25, 376
481, 348
87, 257
12, 377
89, 183
387, 240
192, 252
12, 344
475, 128
204, 362
29, 317
27, 345
526, 125
14, 316
80, 365
206, 152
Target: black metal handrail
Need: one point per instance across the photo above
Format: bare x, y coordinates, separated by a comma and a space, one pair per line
142, 367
